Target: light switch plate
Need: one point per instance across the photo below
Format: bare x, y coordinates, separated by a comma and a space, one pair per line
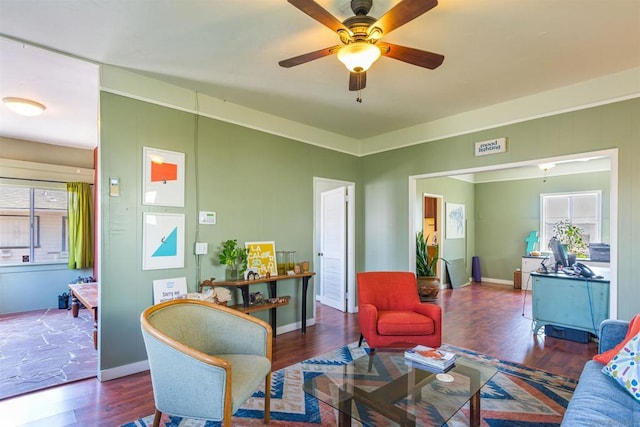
201, 248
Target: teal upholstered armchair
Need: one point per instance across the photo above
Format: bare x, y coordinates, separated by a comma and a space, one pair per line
205, 359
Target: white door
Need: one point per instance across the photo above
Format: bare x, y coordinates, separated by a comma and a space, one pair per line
333, 245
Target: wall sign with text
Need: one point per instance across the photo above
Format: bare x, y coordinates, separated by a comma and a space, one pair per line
493, 146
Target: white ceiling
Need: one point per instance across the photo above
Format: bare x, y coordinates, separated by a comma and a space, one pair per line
495, 51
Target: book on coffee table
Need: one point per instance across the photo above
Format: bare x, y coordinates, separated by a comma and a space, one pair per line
423, 367
431, 357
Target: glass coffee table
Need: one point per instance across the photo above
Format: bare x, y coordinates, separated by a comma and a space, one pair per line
384, 389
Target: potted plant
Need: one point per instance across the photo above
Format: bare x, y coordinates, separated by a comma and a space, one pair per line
426, 268
234, 257
570, 236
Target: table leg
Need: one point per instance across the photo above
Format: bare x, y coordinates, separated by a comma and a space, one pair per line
95, 328
474, 406
75, 305
344, 412
273, 312
245, 295
305, 286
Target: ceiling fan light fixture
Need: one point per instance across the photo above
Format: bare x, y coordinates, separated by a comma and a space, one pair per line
358, 56
24, 107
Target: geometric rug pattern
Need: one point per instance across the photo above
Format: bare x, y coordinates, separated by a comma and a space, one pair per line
517, 396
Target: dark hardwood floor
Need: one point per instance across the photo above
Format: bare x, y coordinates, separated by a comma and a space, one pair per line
487, 318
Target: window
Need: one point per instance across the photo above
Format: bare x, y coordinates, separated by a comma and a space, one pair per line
33, 224
579, 208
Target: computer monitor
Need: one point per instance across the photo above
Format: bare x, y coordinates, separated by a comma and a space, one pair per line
559, 256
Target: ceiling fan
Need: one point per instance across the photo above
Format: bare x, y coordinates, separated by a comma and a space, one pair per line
360, 36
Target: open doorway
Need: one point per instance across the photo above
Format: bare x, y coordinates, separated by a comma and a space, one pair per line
334, 243
54, 148
474, 218
432, 223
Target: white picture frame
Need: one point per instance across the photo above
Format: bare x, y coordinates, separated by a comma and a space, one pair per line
455, 221
163, 177
169, 289
162, 240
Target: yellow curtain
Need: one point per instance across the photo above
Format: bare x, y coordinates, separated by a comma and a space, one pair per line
80, 223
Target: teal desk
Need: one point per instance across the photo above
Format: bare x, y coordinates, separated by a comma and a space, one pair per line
570, 302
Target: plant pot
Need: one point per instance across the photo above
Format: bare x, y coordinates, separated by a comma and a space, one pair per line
428, 288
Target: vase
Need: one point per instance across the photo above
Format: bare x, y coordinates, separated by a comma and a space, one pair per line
231, 272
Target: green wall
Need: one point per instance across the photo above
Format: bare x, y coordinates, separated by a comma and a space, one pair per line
259, 184
506, 212
261, 187
385, 178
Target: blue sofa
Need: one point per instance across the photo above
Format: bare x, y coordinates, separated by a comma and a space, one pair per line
598, 399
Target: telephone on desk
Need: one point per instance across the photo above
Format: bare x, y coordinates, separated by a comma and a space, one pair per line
579, 269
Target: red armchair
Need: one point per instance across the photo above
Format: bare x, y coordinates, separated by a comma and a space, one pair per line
391, 314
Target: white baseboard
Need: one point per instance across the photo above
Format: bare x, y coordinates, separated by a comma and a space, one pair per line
498, 281
123, 371
143, 365
294, 326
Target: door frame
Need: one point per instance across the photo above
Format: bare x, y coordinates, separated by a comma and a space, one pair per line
319, 186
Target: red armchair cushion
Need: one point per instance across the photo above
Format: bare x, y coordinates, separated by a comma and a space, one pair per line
404, 323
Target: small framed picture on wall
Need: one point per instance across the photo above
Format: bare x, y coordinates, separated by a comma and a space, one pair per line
454, 221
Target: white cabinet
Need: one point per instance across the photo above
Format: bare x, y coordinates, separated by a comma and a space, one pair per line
529, 264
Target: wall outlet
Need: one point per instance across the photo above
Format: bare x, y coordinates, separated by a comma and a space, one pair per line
201, 248
207, 218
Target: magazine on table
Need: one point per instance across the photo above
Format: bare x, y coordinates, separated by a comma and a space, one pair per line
429, 356
423, 367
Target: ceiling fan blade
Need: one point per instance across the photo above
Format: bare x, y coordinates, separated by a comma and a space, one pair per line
357, 81
301, 59
402, 13
421, 58
318, 13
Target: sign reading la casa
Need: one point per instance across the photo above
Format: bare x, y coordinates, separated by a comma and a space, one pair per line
492, 146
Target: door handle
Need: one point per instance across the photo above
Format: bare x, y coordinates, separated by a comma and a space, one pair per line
320, 254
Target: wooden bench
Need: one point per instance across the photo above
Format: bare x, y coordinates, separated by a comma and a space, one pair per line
87, 294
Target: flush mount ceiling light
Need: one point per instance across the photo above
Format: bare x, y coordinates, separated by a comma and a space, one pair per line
24, 107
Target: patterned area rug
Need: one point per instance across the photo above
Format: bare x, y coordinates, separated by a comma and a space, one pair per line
517, 396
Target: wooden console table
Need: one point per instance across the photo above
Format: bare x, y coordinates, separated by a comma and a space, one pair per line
87, 293
245, 307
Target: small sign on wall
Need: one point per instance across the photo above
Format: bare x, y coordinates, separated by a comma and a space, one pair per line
169, 289
492, 146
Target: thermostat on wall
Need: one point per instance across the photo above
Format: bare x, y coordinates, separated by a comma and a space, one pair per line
114, 186
208, 218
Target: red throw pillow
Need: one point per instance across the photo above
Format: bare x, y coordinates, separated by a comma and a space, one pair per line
634, 329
